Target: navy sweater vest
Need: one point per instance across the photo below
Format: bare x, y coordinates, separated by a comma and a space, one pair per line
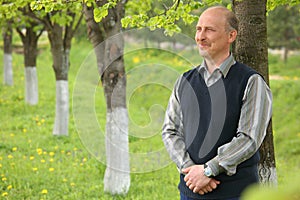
210, 119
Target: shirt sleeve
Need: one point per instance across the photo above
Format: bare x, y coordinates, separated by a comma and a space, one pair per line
172, 131
254, 119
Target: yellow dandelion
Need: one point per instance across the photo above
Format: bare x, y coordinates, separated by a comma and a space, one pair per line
12, 135
9, 156
75, 149
72, 184
51, 160
9, 187
62, 151
44, 191
0, 165
51, 169
69, 153
24, 130
31, 158
56, 147
0, 157
4, 194
15, 149
45, 153
43, 161
34, 169
4, 179
298, 134
51, 153
38, 123
136, 60
39, 151
42, 120
64, 180
29, 141
84, 160
81, 164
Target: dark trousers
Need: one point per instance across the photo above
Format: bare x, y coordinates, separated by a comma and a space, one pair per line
183, 197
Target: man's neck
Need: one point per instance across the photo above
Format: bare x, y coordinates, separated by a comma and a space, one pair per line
213, 64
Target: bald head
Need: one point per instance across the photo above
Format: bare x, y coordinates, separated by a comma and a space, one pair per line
231, 22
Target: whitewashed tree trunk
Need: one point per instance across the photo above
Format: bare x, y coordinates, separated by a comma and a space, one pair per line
117, 176
31, 85
62, 108
267, 177
8, 70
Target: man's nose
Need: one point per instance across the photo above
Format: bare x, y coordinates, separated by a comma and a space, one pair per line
200, 36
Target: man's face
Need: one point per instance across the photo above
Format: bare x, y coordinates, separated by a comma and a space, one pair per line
211, 36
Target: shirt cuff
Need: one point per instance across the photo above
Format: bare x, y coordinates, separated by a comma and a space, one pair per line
215, 167
186, 165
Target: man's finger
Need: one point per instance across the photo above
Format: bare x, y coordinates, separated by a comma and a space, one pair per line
186, 170
209, 189
201, 192
196, 190
191, 187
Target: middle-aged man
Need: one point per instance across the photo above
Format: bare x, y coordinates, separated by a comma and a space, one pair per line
217, 116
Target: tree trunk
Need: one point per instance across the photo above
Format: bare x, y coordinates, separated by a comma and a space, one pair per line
7, 56
251, 49
111, 69
30, 40
60, 58
31, 85
284, 55
117, 173
96, 37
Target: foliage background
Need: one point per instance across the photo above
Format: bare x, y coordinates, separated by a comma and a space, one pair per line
36, 165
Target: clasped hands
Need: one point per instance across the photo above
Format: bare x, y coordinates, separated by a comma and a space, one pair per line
197, 181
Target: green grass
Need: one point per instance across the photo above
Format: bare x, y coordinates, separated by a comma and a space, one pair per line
36, 165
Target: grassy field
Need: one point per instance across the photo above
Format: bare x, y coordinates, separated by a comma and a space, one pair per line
36, 165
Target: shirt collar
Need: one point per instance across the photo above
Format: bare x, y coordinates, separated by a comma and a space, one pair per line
223, 68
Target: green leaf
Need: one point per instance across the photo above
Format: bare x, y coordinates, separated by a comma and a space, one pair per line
125, 22
100, 13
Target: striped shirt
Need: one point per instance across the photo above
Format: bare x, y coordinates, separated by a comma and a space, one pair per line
255, 115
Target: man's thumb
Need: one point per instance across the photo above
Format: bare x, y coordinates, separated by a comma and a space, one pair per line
186, 170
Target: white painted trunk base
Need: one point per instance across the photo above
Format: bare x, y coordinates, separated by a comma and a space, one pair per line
117, 173
267, 177
62, 108
31, 86
8, 70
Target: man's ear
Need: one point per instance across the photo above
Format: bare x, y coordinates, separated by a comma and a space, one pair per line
232, 36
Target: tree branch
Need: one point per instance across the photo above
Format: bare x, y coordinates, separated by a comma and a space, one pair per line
20, 33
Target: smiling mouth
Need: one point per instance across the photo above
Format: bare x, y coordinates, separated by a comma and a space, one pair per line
202, 45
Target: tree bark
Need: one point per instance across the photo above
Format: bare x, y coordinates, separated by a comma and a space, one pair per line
7, 56
110, 64
251, 49
60, 38
61, 68
96, 36
30, 40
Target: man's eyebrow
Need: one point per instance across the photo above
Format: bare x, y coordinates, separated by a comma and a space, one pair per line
197, 26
